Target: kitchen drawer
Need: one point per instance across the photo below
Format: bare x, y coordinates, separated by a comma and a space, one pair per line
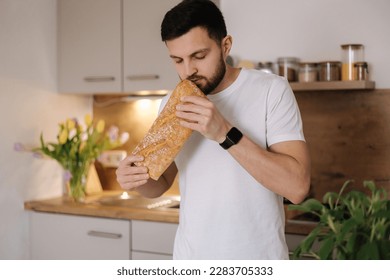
58, 236
153, 237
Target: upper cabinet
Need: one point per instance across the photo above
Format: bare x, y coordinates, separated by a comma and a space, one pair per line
89, 46
147, 65
113, 46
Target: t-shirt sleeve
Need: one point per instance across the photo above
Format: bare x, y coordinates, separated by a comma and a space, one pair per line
284, 121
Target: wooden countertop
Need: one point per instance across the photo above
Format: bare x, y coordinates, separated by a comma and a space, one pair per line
64, 205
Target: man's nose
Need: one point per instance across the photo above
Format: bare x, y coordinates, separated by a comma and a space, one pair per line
190, 69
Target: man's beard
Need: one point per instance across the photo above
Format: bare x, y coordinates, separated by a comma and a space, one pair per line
213, 82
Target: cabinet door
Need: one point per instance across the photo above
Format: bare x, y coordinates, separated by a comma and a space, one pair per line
147, 65
152, 240
89, 46
58, 236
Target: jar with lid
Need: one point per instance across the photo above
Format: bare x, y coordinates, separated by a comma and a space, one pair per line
360, 71
267, 67
351, 53
329, 71
308, 72
288, 68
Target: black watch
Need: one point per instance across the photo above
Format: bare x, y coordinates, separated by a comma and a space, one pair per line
232, 138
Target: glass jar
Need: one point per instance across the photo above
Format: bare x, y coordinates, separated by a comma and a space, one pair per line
267, 67
308, 72
351, 53
288, 68
329, 71
360, 71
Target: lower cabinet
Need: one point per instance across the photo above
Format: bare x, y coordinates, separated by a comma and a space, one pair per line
71, 237
56, 236
60, 236
152, 240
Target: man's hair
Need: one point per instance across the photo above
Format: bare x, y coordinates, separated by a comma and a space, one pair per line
193, 13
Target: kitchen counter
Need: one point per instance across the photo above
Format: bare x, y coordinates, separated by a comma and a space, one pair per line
92, 207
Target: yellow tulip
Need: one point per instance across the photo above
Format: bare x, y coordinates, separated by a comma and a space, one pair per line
100, 126
70, 124
88, 120
63, 136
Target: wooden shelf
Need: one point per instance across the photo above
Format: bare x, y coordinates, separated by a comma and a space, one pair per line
336, 85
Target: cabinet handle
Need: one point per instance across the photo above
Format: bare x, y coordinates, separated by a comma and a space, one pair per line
93, 79
143, 77
104, 234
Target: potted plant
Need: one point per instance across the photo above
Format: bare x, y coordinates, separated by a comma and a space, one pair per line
352, 225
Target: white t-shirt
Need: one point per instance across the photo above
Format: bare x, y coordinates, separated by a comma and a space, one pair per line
224, 212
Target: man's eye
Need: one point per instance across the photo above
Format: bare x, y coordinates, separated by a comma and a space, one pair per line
178, 61
200, 57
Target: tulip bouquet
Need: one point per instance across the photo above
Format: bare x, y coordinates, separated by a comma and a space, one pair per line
77, 148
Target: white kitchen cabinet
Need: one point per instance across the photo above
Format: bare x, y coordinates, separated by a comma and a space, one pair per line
147, 65
112, 46
60, 236
152, 240
89, 46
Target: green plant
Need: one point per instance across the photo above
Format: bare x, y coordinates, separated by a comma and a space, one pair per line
351, 226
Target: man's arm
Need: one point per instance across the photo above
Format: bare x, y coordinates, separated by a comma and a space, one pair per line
284, 168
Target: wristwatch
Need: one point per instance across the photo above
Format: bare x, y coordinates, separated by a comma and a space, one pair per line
232, 138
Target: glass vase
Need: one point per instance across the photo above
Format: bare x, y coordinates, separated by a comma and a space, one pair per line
77, 173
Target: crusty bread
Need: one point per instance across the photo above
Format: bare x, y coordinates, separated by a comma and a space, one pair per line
166, 136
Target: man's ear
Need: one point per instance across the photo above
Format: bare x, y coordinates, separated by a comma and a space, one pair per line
227, 45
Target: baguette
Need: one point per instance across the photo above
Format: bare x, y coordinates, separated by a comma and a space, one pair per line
166, 136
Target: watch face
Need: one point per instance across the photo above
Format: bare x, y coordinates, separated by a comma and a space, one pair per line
234, 135
232, 138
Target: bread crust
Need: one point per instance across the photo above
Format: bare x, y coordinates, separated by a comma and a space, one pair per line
166, 136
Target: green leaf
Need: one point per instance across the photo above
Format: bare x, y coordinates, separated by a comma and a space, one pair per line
346, 228
307, 243
326, 248
358, 215
342, 190
370, 185
385, 214
351, 242
330, 198
368, 251
313, 205
384, 249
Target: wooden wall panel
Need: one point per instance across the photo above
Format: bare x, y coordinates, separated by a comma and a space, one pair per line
348, 133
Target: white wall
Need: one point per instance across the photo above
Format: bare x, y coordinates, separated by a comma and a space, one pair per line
311, 30
29, 104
